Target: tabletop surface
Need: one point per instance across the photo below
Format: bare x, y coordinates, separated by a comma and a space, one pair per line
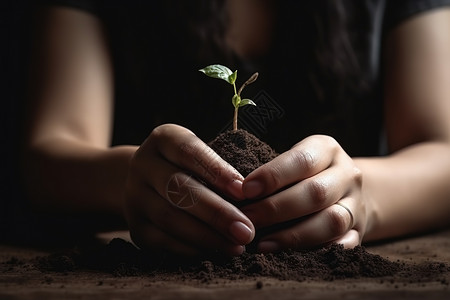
20, 279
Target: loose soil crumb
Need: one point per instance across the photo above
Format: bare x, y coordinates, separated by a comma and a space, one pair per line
245, 152
122, 259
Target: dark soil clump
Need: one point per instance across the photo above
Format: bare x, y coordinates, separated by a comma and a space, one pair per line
121, 258
245, 152
242, 150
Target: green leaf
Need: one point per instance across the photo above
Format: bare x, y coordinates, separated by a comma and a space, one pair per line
236, 100
244, 102
220, 72
232, 77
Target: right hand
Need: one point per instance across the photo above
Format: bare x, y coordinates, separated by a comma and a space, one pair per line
169, 208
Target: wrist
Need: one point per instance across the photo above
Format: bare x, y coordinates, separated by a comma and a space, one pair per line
371, 213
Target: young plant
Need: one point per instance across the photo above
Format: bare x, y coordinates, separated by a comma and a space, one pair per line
222, 72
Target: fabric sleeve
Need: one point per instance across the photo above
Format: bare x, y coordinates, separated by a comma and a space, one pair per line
90, 6
398, 11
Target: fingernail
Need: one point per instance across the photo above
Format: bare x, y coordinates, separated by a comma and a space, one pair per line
237, 250
235, 189
241, 233
268, 246
252, 189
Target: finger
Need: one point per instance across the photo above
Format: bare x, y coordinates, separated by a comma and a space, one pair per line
180, 146
320, 228
350, 240
148, 237
304, 160
161, 225
187, 193
304, 198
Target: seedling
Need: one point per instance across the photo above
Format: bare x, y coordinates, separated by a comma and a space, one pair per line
222, 72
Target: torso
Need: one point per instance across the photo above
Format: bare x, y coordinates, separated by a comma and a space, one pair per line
251, 26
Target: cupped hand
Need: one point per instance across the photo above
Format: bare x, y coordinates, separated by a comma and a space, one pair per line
173, 197
307, 197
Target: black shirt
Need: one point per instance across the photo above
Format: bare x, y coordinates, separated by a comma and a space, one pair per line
157, 48
156, 58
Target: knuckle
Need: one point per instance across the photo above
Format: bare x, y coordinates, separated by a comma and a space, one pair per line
330, 141
161, 132
274, 175
304, 159
357, 176
338, 222
158, 132
217, 214
296, 240
318, 192
271, 207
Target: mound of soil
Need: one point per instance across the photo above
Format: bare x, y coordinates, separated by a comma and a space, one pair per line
122, 259
245, 152
241, 149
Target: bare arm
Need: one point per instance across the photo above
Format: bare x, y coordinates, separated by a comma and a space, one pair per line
68, 163
70, 166
410, 189
327, 196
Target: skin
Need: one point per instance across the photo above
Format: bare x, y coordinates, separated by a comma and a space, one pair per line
70, 167
406, 192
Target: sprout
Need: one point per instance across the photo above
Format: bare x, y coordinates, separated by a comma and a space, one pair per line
224, 73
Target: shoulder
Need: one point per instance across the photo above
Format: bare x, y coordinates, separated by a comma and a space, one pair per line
402, 10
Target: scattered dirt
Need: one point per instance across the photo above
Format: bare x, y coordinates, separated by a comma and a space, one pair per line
245, 152
121, 258
118, 268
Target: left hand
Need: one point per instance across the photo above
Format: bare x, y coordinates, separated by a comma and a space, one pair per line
316, 188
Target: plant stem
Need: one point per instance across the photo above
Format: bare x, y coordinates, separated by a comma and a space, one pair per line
235, 111
235, 118
250, 80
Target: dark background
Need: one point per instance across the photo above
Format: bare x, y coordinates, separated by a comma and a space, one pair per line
14, 53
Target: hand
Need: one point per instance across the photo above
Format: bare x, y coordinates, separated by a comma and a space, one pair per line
173, 197
311, 195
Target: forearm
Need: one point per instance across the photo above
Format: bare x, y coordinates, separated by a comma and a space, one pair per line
68, 176
407, 192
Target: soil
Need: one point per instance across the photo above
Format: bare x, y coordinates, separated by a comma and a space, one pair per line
241, 149
91, 267
245, 152
121, 259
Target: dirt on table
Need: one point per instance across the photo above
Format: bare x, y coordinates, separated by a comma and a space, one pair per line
410, 269
245, 152
121, 258
413, 268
